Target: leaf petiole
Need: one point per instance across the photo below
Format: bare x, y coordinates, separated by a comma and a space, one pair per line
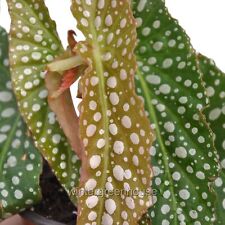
65, 64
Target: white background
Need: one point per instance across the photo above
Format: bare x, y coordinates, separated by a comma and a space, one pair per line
204, 21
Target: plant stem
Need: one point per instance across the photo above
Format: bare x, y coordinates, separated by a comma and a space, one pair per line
65, 64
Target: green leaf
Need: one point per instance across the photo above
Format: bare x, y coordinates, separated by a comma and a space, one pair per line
20, 162
34, 43
183, 157
215, 82
113, 126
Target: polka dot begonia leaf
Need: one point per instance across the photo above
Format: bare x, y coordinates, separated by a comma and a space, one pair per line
116, 172
34, 43
20, 162
215, 85
184, 159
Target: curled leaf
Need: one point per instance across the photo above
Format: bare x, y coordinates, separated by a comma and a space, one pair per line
62, 73
69, 77
60, 102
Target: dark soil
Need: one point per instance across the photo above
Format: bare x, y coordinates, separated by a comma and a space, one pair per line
55, 204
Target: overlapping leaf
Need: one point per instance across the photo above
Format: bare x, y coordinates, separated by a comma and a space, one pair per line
20, 162
34, 43
215, 84
184, 159
113, 126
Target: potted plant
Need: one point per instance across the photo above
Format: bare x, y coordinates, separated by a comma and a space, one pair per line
142, 149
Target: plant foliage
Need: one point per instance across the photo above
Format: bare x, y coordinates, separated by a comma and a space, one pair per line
34, 43
20, 162
183, 156
113, 127
215, 82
